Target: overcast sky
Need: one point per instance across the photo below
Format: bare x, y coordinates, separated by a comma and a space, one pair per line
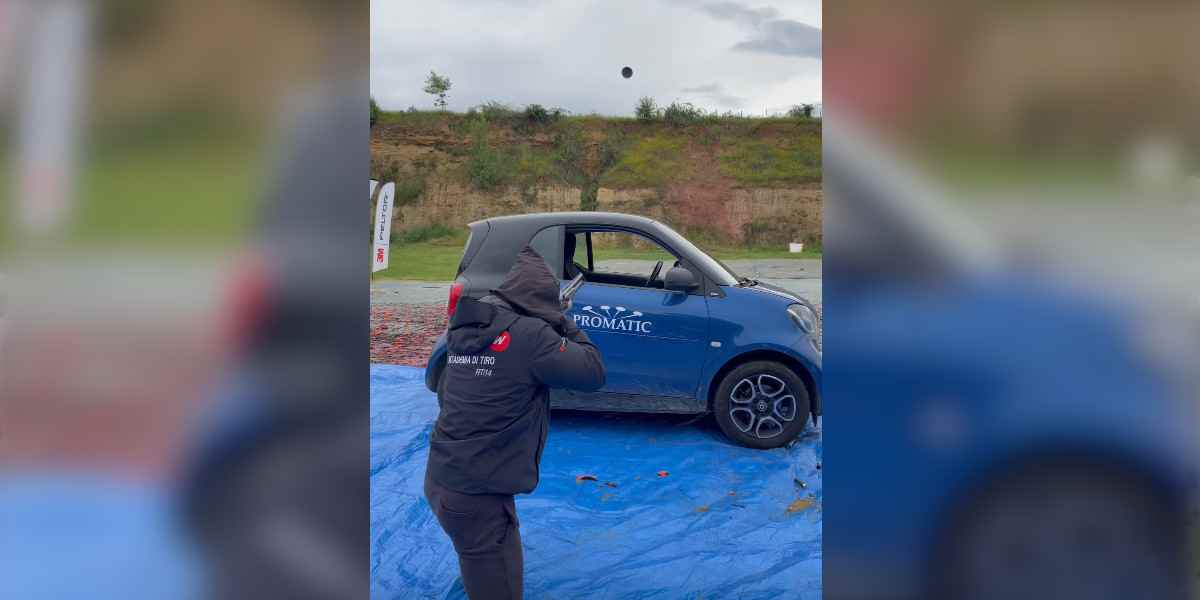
746, 57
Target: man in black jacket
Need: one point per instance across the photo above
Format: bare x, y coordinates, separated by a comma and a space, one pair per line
505, 351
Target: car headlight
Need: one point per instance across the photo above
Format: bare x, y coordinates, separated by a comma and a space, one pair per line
804, 317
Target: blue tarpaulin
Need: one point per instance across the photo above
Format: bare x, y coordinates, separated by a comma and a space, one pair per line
724, 522
75, 534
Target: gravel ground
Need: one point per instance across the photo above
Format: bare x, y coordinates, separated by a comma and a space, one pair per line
408, 316
404, 334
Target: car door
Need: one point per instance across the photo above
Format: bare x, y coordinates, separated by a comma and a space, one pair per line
653, 341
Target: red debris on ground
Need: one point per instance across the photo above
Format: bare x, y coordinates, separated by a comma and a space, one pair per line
404, 334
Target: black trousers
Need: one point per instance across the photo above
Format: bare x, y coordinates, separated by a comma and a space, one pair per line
487, 538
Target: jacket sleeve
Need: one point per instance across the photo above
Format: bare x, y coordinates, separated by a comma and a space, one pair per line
567, 361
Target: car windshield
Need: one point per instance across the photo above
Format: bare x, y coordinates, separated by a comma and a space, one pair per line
710, 264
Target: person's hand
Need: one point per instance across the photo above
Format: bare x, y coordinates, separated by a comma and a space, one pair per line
567, 304
565, 325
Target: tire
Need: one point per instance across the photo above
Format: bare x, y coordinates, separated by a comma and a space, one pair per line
1063, 531
761, 404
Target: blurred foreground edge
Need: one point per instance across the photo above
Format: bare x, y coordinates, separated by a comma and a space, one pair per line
184, 407
996, 428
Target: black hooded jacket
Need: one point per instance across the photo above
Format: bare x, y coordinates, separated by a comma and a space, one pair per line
505, 351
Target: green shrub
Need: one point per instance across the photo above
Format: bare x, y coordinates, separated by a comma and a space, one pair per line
438, 86
533, 166
374, 112
409, 189
384, 172
646, 110
497, 112
570, 155
801, 111
612, 148
536, 114
488, 168
679, 114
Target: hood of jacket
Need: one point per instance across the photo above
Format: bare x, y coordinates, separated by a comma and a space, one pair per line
531, 288
475, 325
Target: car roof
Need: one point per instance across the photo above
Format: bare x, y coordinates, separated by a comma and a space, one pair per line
504, 236
547, 219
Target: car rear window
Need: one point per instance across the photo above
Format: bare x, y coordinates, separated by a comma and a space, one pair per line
549, 243
474, 240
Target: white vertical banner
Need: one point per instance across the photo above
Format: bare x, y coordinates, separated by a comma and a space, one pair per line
374, 184
50, 119
383, 228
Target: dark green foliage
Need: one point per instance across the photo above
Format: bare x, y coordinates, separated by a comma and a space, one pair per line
570, 154
409, 189
487, 168
576, 166
589, 196
384, 172
646, 110
496, 112
437, 86
374, 112
801, 111
680, 114
536, 114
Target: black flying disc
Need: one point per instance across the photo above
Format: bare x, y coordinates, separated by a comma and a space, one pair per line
626, 72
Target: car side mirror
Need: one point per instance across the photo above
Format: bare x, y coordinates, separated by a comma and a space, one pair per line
679, 279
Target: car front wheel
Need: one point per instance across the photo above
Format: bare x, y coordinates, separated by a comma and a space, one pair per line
761, 404
1063, 531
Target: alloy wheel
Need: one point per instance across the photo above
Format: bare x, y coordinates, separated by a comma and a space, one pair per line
761, 404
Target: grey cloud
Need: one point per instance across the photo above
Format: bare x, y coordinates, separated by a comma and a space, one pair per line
785, 38
732, 11
533, 56
771, 34
716, 93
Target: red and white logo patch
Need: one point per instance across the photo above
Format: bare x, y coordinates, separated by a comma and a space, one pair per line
501, 342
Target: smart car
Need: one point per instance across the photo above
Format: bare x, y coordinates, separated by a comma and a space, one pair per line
1006, 432
693, 339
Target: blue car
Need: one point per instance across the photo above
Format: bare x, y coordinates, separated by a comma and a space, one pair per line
999, 432
689, 336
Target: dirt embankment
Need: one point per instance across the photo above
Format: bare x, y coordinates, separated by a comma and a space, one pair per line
743, 181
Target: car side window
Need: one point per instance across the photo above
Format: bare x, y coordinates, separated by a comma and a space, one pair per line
575, 255
619, 258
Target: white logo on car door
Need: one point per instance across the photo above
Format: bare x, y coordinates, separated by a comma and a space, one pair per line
612, 318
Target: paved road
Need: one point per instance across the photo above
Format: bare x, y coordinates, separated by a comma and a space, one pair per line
802, 276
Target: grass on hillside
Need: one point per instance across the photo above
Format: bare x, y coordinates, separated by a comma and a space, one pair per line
203, 192
430, 120
755, 162
649, 163
753, 150
437, 259
183, 194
